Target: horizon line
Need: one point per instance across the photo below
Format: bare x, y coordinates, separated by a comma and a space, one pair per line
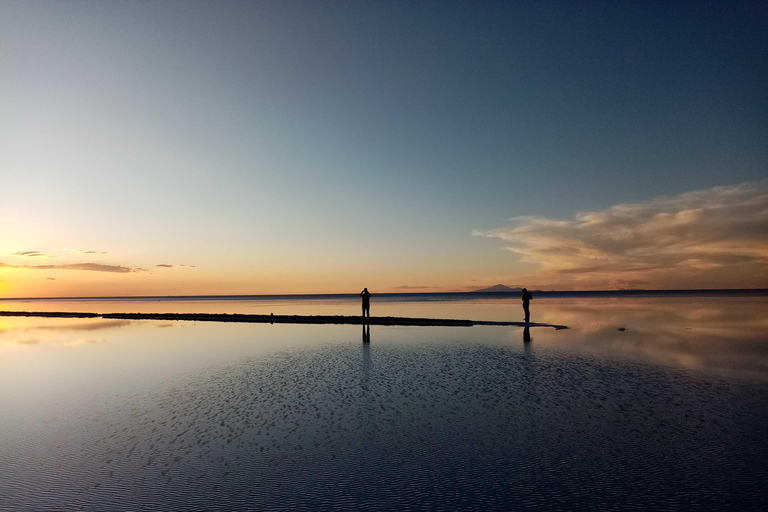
625, 290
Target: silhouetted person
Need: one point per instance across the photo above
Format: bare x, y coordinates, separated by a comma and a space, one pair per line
526, 302
526, 334
366, 295
366, 334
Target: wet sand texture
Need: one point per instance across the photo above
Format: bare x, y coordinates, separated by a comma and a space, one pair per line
411, 428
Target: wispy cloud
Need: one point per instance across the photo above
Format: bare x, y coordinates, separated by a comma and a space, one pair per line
408, 287
94, 267
164, 265
707, 238
29, 254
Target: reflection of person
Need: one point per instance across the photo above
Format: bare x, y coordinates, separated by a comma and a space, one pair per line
366, 295
526, 334
526, 300
366, 334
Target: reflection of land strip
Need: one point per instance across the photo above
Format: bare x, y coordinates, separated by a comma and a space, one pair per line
281, 319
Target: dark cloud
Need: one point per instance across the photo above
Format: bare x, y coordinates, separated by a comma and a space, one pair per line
166, 265
708, 238
93, 267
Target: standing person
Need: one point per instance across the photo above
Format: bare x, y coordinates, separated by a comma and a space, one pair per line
366, 295
526, 301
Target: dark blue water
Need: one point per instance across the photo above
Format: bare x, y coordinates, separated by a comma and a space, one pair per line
669, 414
421, 428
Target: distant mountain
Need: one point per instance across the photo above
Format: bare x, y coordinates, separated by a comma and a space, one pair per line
498, 288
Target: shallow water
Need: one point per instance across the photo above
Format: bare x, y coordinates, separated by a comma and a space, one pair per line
669, 414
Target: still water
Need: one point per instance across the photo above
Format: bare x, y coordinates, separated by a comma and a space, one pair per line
669, 413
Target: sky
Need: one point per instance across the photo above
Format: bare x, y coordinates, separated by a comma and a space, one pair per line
278, 147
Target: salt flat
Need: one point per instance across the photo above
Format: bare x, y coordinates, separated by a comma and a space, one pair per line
118, 415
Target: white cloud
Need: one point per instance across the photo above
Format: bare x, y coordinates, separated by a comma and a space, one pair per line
708, 238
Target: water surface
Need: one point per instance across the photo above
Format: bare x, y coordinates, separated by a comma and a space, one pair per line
669, 413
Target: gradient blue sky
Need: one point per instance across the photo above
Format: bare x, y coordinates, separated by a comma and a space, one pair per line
290, 147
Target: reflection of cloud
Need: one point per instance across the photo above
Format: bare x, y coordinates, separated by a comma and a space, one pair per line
709, 238
90, 326
723, 334
94, 267
95, 326
52, 334
76, 343
59, 341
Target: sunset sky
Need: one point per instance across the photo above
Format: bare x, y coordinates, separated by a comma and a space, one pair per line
183, 148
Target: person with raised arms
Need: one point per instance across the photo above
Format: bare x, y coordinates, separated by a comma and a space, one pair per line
366, 295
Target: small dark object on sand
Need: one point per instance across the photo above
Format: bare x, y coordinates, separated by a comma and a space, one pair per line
622, 329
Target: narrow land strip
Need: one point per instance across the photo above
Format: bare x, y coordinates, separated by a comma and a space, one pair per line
281, 319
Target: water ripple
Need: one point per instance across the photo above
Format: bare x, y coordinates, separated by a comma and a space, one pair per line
409, 428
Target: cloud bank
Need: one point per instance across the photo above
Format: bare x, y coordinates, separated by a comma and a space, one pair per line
715, 238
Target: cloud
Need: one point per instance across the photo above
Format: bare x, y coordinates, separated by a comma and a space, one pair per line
707, 238
165, 265
94, 267
407, 287
29, 254
90, 252
51, 278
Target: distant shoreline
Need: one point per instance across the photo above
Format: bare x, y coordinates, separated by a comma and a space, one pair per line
543, 294
278, 319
